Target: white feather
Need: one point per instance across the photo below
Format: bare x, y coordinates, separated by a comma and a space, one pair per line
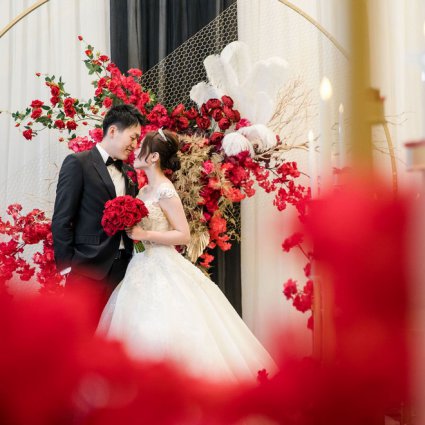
259, 135
215, 71
203, 92
267, 76
236, 61
234, 143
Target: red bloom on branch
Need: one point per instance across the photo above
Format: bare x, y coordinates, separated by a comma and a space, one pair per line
36, 113
290, 288
28, 134
96, 134
59, 124
80, 144
36, 104
134, 72
292, 241
71, 125
107, 102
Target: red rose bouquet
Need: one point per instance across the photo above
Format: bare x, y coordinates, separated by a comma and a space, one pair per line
122, 212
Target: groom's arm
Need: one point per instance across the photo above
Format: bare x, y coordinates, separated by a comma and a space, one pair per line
68, 193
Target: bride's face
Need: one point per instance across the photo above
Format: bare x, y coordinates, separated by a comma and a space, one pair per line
146, 161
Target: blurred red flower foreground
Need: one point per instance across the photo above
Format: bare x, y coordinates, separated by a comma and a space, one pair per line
53, 371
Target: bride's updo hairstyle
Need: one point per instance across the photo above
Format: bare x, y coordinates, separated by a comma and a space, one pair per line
164, 142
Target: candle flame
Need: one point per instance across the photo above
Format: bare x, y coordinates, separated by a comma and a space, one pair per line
325, 89
341, 108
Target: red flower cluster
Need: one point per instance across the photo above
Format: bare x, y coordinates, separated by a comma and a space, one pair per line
26, 230
80, 144
122, 212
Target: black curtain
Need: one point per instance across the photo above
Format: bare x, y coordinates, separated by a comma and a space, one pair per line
144, 32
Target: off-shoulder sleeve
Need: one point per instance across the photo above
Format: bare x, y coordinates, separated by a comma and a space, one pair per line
166, 191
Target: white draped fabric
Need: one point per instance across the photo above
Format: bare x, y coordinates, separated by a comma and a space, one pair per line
272, 29
45, 41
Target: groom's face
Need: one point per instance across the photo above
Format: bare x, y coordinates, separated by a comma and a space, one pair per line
124, 141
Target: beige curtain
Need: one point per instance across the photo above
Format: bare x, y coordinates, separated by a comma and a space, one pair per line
45, 41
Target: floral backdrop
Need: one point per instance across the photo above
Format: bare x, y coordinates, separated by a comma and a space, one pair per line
224, 159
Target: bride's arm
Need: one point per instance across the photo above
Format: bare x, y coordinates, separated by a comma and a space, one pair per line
180, 235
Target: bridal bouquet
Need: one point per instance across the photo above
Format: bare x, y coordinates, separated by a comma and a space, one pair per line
123, 212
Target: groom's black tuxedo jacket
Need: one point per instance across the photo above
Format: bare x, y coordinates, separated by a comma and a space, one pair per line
79, 241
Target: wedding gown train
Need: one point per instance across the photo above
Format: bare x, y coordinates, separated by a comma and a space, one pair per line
165, 307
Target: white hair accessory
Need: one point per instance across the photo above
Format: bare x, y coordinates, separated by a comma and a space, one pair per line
161, 133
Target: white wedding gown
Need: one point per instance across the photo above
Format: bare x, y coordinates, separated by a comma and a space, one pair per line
166, 308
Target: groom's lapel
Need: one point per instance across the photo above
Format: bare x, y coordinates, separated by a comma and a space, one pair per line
130, 186
100, 167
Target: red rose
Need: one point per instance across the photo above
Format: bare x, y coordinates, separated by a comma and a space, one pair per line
36, 104
228, 101
36, 113
178, 110
28, 134
54, 90
203, 123
80, 38
213, 104
224, 124
54, 100
122, 212
71, 125
107, 102
68, 102
70, 112
89, 53
103, 58
59, 124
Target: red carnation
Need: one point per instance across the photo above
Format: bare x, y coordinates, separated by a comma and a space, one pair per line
203, 123
224, 124
178, 110
213, 104
227, 101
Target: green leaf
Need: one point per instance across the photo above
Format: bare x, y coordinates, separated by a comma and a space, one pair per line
45, 107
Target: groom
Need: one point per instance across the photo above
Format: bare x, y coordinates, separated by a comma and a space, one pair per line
87, 180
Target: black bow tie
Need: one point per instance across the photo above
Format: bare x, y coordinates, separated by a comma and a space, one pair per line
116, 163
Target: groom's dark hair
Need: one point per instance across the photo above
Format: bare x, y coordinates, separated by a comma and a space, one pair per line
123, 116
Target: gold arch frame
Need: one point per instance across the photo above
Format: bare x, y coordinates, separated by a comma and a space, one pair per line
21, 16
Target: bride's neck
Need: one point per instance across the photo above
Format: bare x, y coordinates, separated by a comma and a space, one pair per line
155, 176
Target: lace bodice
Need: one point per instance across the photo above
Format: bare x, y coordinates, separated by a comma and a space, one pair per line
156, 220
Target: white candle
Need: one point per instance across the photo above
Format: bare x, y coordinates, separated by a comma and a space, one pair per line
312, 169
326, 134
342, 152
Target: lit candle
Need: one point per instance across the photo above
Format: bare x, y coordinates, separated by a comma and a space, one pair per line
312, 164
326, 134
341, 136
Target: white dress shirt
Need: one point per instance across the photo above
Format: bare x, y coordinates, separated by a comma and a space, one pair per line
117, 177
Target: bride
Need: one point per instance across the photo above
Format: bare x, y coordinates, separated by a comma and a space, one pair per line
165, 307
